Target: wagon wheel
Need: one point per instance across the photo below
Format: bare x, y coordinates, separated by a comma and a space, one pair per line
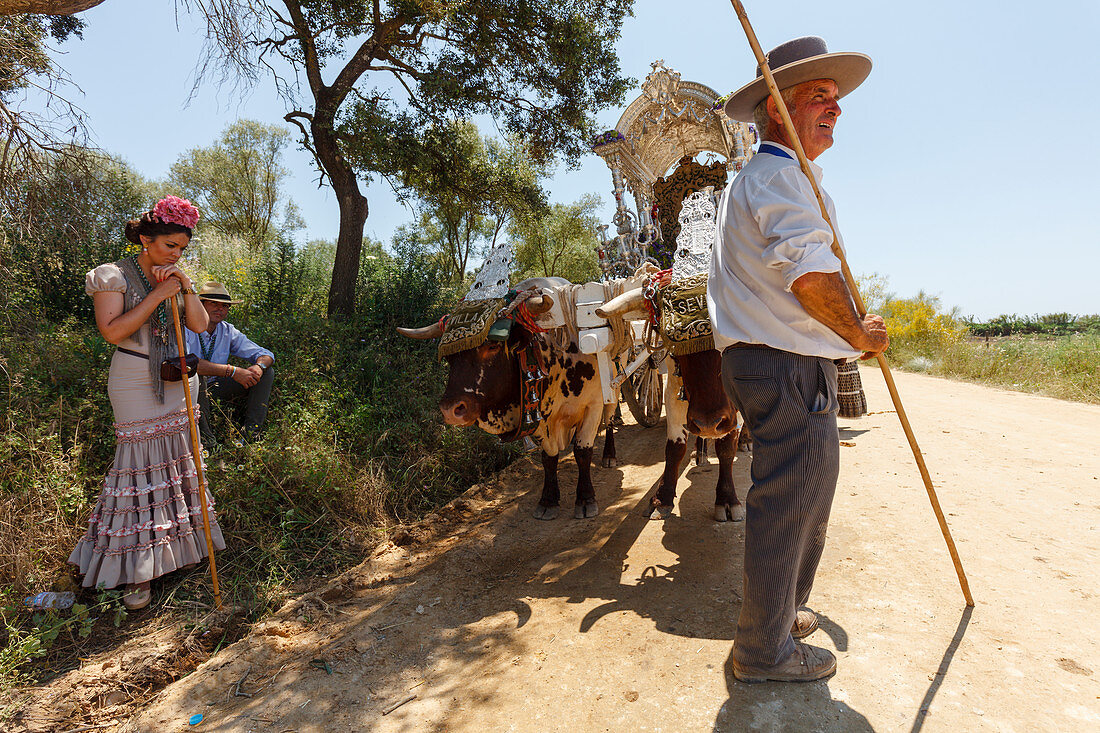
644, 394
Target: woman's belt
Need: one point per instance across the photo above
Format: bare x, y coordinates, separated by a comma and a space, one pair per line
133, 353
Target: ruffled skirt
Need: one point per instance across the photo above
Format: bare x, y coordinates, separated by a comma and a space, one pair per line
147, 521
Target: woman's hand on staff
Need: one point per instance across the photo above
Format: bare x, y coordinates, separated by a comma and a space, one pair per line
166, 288
161, 273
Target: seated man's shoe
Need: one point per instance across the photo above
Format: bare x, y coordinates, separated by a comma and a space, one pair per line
806, 664
805, 623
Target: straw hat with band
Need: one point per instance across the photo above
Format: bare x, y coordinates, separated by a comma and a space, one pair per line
793, 62
217, 293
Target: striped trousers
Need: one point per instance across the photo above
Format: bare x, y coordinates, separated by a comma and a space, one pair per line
789, 403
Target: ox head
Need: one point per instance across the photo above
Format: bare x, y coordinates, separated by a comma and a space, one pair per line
710, 413
483, 382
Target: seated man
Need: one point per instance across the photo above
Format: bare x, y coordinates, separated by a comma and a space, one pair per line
247, 388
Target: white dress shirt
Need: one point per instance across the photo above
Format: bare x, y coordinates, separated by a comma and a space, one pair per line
770, 233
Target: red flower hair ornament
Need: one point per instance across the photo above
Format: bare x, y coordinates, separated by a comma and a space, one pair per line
174, 210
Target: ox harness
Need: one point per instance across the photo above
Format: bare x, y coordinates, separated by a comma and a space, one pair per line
533, 378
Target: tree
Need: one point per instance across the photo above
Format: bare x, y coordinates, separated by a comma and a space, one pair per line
79, 202
379, 73
469, 188
46, 7
25, 136
560, 243
237, 182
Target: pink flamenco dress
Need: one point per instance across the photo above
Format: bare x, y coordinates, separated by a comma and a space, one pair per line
147, 521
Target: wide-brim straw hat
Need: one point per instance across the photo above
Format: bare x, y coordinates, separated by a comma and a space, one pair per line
217, 293
796, 61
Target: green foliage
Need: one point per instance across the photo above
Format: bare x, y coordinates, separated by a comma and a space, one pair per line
25, 641
560, 243
237, 182
23, 54
917, 325
1052, 324
469, 188
541, 69
1067, 367
67, 217
353, 440
1056, 355
874, 290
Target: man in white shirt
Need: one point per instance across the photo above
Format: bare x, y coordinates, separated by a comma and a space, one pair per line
781, 313
247, 388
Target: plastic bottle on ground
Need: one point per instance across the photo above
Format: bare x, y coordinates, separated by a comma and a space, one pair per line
51, 599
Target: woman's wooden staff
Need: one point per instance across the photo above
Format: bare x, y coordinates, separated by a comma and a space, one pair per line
196, 451
788, 125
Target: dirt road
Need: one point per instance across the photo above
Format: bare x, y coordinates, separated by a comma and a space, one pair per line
498, 622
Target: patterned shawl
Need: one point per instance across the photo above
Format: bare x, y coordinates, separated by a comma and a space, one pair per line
684, 319
468, 325
158, 346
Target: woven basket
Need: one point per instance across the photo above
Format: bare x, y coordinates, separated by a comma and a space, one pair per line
853, 403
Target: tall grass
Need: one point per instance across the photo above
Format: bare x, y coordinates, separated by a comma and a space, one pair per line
1066, 367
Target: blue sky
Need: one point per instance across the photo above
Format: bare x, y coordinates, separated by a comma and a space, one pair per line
965, 166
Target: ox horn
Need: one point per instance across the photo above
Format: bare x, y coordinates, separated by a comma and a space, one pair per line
433, 331
539, 304
631, 300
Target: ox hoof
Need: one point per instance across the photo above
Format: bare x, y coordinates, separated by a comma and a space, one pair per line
609, 461
658, 510
728, 513
546, 513
586, 510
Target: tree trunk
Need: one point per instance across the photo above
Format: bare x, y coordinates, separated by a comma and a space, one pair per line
353, 217
46, 7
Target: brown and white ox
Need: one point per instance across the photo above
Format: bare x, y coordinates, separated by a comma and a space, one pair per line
483, 389
705, 411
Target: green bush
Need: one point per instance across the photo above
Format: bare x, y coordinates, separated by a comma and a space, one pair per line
918, 328
66, 219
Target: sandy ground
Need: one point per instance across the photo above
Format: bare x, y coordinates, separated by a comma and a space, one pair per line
498, 622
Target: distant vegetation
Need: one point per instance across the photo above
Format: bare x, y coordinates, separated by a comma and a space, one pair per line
1053, 324
1057, 355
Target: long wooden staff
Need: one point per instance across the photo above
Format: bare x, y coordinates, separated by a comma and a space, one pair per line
196, 451
854, 291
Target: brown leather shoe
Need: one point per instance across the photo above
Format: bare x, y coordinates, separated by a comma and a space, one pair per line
805, 623
806, 664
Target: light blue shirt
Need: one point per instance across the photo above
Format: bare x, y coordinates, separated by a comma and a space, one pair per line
228, 341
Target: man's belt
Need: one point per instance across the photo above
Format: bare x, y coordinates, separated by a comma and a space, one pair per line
743, 345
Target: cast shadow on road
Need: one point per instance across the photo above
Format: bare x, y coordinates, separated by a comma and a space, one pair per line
941, 671
850, 434
468, 602
698, 593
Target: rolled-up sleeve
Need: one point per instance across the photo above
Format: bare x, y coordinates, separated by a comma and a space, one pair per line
799, 238
242, 347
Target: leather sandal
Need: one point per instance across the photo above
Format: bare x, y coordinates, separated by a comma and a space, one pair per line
806, 664
805, 623
138, 596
